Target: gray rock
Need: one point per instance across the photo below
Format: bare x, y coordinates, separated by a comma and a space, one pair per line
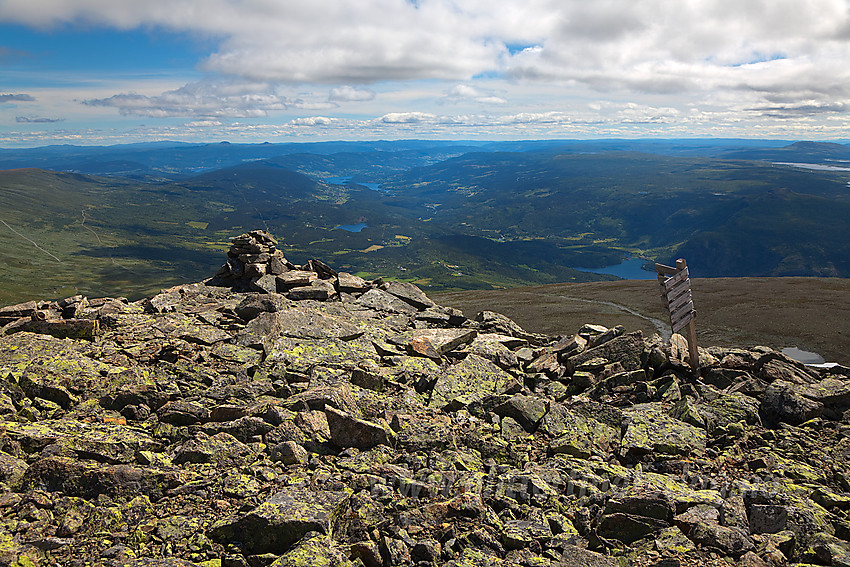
254, 305
380, 300
220, 448
289, 453
350, 283
573, 556
348, 431
319, 290
295, 278
12, 469
650, 429
468, 381
782, 402
526, 410
625, 349
411, 294
284, 519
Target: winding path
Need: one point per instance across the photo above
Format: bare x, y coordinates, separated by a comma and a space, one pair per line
662, 327
31, 241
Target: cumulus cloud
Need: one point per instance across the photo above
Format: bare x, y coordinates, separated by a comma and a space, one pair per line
200, 99
21, 97
774, 58
29, 120
463, 93
406, 118
313, 121
347, 93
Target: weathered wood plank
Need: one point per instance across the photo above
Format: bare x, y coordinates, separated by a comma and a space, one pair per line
684, 322
681, 288
677, 302
666, 270
680, 313
681, 276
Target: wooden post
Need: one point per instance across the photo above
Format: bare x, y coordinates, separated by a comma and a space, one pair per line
675, 286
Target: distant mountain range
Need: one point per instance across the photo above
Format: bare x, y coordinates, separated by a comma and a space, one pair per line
126, 220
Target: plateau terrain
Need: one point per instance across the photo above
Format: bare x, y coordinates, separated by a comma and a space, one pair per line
281, 414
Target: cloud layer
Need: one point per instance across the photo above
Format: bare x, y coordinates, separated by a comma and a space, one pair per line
688, 60
20, 97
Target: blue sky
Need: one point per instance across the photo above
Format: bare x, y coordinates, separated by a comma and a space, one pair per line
116, 71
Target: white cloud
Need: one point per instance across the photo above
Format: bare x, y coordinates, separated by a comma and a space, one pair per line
657, 63
20, 97
347, 93
464, 93
201, 99
313, 121
37, 120
406, 118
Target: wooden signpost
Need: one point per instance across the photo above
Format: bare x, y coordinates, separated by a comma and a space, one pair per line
676, 290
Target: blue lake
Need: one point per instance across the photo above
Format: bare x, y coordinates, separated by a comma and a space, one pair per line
345, 180
352, 227
628, 269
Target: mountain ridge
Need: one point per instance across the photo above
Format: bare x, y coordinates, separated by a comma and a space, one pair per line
282, 415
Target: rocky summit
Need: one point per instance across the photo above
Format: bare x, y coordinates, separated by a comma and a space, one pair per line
282, 415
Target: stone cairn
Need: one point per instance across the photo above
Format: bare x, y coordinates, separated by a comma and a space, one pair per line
255, 264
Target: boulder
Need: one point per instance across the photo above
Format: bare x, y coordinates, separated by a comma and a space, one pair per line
469, 380
783, 402
348, 431
284, 519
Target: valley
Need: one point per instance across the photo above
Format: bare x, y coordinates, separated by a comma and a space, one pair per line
130, 220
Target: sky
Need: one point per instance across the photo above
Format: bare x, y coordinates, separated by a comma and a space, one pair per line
100, 72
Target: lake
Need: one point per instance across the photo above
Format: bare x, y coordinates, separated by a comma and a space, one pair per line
345, 180
628, 269
352, 227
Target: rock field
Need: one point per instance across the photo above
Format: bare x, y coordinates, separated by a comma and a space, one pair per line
281, 415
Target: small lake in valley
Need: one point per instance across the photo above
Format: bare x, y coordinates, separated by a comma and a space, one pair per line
628, 269
347, 180
351, 227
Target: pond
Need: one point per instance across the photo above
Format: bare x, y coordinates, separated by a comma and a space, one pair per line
803, 356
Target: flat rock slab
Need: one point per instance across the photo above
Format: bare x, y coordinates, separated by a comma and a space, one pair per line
379, 300
348, 431
350, 283
109, 442
625, 349
88, 479
410, 294
284, 519
650, 429
434, 343
296, 278
782, 401
468, 381
575, 434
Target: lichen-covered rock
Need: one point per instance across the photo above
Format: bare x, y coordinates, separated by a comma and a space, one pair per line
220, 448
316, 551
782, 402
650, 429
284, 519
468, 381
355, 423
348, 431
